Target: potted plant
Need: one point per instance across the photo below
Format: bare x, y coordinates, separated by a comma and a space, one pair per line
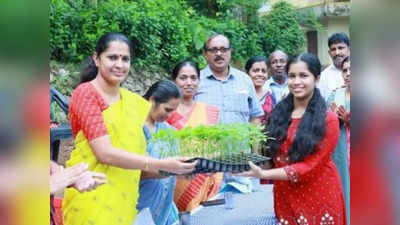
217, 148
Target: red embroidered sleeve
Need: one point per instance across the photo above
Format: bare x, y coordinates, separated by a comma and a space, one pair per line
322, 152
291, 173
85, 112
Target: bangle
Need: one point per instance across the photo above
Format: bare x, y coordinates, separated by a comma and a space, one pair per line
146, 165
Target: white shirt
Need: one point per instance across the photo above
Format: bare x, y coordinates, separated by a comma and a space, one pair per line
331, 79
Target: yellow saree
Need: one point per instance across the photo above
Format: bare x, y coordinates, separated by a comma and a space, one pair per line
115, 202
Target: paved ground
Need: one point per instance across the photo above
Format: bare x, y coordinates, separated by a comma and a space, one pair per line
66, 146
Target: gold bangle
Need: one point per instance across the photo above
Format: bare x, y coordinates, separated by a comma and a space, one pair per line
146, 165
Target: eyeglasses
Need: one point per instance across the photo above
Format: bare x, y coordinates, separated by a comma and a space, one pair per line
215, 50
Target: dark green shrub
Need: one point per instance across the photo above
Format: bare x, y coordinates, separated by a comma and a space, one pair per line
158, 30
281, 30
165, 32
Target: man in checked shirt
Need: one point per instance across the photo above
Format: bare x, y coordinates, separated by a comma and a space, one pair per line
232, 91
226, 87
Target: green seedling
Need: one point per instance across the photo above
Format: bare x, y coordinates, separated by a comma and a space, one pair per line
220, 141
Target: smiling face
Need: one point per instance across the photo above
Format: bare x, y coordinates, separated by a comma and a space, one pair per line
338, 52
114, 63
161, 111
258, 73
187, 81
218, 53
301, 82
278, 61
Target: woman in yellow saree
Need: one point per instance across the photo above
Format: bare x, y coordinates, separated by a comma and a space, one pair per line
189, 193
107, 123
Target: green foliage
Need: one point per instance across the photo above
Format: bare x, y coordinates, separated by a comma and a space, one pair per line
165, 32
307, 18
210, 141
58, 114
282, 30
223, 8
232, 18
157, 29
243, 41
64, 77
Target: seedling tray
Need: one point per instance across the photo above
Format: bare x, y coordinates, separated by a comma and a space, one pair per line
234, 163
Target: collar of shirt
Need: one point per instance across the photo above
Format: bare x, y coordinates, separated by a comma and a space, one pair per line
271, 82
158, 126
210, 75
265, 93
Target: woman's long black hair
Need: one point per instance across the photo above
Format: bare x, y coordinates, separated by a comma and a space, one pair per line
312, 127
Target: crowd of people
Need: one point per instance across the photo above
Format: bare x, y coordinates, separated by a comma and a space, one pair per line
113, 172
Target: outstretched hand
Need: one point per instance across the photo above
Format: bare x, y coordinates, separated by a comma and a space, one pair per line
178, 165
255, 171
90, 181
76, 176
62, 178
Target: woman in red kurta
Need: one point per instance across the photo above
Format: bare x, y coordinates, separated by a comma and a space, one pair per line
307, 187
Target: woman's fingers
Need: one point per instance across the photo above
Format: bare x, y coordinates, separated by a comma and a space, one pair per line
253, 166
100, 181
183, 159
100, 176
178, 166
255, 171
55, 168
76, 170
90, 181
189, 166
72, 174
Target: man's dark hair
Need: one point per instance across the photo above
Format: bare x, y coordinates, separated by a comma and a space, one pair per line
339, 38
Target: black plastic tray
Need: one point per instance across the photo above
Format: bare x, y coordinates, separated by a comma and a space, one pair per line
234, 163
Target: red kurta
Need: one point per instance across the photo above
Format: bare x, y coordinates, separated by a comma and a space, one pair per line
313, 194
